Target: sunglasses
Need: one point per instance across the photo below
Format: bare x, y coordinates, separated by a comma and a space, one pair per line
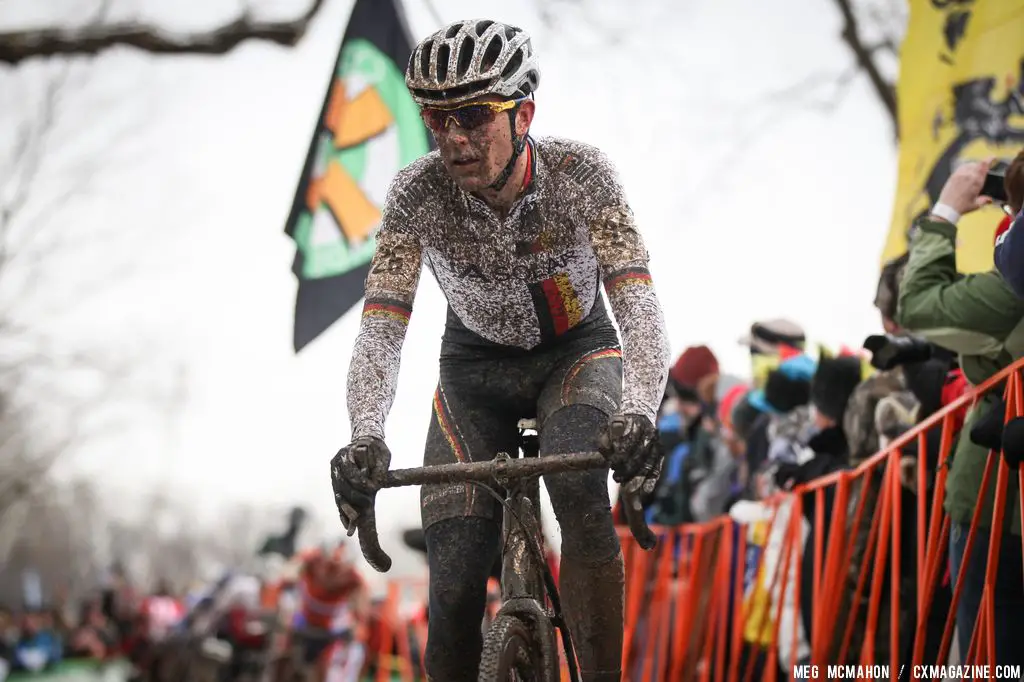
466, 116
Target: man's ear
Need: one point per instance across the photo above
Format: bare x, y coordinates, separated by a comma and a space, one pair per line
524, 116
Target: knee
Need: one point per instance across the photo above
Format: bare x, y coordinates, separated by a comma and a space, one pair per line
460, 555
580, 498
456, 601
588, 533
573, 428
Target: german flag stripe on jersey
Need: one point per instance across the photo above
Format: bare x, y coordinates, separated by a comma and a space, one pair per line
448, 427
578, 366
388, 308
451, 434
626, 277
557, 305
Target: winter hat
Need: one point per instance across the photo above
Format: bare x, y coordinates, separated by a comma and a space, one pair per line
787, 387
766, 356
833, 384
859, 418
767, 336
696, 363
895, 414
783, 392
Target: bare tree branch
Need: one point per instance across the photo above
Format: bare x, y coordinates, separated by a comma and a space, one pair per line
18, 46
865, 56
887, 44
27, 461
27, 158
35, 242
806, 91
57, 395
890, 18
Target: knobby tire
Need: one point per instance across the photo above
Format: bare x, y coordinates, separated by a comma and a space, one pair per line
511, 652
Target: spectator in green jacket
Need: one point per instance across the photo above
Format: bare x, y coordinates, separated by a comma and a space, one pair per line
979, 317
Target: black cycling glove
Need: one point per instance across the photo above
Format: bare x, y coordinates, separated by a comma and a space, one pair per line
357, 473
630, 444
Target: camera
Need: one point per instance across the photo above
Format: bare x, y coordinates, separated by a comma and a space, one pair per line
889, 351
995, 186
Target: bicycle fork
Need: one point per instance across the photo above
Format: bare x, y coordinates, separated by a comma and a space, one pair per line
523, 592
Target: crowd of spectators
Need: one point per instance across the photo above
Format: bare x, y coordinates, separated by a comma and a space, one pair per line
807, 412
38, 639
286, 613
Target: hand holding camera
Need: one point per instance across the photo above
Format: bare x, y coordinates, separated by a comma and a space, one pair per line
963, 190
972, 186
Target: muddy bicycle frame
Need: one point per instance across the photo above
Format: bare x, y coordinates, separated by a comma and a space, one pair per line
523, 575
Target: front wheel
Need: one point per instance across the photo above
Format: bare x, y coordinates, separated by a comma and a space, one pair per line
511, 652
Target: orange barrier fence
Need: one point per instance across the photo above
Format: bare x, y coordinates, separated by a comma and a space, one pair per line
848, 570
802, 582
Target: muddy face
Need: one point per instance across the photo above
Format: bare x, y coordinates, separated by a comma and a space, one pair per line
475, 158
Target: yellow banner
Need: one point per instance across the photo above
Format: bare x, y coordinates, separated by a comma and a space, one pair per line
961, 98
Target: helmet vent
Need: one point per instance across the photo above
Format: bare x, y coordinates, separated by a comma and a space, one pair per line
529, 85
465, 57
491, 54
425, 59
444, 53
513, 64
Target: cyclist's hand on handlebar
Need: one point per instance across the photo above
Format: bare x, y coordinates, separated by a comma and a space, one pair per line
358, 471
630, 444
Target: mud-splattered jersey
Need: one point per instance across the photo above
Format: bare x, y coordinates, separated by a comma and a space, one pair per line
520, 282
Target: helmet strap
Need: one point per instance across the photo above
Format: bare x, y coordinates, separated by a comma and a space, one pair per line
518, 145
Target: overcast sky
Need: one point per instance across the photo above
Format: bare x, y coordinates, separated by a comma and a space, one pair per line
755, 200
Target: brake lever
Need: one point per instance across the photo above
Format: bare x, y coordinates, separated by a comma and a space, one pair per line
634, 512
631, 503
369, 542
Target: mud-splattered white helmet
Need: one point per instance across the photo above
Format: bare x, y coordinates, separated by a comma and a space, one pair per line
472, 58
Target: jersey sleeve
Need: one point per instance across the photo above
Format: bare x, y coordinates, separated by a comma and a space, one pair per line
623, 259
390, 289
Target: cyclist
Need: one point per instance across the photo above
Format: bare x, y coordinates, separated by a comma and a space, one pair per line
333, 609
159, 617
520, 233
